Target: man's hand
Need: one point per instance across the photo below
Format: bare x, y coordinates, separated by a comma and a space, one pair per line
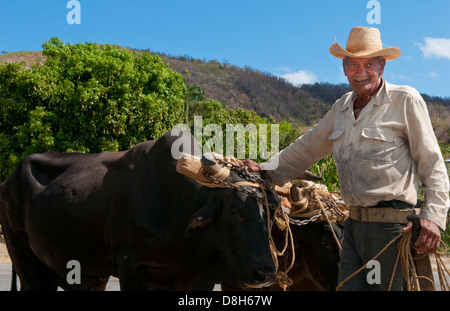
252, 166
429, 237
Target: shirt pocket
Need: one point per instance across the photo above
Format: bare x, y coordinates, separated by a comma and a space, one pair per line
336, 134
379, 144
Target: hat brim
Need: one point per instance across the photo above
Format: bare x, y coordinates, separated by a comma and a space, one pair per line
388, 53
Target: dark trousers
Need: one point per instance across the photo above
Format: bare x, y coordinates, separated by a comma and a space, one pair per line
362, 242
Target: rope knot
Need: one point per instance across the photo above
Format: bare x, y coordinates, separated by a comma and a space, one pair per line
282, 279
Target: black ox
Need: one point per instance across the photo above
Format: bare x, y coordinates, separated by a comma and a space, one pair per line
317, 256
129, 215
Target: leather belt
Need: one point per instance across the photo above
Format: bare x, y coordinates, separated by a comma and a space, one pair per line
381, 214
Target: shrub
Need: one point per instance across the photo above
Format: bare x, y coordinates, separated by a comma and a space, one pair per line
85, 98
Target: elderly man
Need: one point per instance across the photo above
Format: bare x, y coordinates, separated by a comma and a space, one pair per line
382, 140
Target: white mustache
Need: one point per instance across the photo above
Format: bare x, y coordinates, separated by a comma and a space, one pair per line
360, 79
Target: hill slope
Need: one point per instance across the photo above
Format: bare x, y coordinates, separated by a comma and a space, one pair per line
246, 88
267, 95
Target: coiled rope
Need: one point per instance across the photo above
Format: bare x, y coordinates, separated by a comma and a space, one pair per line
409, 271
317, 204
406, 259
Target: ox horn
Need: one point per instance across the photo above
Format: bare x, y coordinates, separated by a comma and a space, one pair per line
307, 175
210, 164
296, 194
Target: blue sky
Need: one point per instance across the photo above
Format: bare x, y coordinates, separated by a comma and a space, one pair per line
288, 38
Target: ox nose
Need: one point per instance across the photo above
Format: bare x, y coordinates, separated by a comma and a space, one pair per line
263, 275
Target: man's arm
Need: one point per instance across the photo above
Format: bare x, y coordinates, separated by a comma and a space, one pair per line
302, 154
433, 174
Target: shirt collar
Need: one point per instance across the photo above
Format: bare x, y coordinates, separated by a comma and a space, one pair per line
382, 96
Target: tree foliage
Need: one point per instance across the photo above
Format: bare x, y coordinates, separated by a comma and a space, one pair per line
230, 122
85, 98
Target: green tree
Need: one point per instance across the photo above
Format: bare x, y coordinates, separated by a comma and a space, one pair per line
326, 168
214, 112
85, 98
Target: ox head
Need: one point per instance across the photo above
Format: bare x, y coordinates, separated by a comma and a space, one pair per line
317, 256
237, 220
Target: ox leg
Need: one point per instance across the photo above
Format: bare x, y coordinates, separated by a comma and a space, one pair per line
33, 274
130, 273
100, 285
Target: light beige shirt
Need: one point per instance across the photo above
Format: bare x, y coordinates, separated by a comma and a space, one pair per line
379, 156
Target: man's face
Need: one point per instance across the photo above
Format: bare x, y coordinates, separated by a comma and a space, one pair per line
364, 74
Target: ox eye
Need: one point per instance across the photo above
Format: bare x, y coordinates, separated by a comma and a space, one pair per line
238, 212
323, 243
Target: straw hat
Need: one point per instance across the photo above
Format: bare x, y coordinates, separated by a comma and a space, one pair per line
364, 42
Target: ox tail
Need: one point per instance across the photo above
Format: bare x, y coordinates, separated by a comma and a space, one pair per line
14, 280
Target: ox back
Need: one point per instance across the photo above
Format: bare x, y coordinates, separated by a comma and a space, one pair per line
130, 215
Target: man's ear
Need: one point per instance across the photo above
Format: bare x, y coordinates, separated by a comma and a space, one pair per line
382, 64
204, 216
344, 66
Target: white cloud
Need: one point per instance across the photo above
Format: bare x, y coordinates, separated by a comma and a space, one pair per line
300, 77
284, 69
401, 77
434, 74
435, 47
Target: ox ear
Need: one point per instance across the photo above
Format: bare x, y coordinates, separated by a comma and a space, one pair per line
203, 217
